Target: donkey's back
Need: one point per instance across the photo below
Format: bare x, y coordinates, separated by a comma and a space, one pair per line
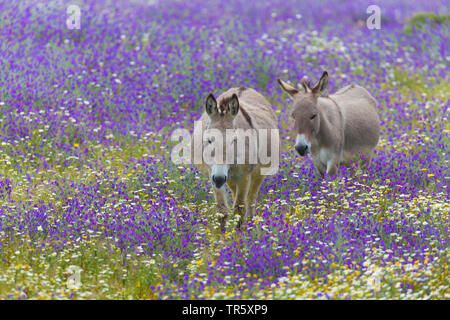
360, 117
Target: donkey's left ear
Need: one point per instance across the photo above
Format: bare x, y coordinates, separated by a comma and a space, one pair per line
321, 85
233, 105
211, 105
290, 90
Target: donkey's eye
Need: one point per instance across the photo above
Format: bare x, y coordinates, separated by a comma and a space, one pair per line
313, 116
208, 141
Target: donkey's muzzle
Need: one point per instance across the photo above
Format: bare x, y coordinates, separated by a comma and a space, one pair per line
218, 180
302, 149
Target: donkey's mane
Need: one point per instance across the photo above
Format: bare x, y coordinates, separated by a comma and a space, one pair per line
246, 116
306, 83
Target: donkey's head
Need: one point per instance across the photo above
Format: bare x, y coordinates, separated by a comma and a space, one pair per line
220, 135
305, 112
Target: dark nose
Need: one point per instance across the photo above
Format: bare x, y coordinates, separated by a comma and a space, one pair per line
218, 181
302, 149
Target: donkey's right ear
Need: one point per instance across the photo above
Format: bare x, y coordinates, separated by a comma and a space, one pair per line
211, 104
290, 90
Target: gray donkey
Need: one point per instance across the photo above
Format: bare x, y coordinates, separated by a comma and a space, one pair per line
336, 127
230, 117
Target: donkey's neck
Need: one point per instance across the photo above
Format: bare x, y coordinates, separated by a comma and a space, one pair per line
330, 125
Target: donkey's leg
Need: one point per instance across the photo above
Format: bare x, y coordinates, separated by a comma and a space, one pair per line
350, 161
321, 168
367, 159
232, 186
221, 206
347, 160
239, 201
333, 164
255, 183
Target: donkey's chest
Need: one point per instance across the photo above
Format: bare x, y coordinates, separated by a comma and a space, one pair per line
238, 172
323, 156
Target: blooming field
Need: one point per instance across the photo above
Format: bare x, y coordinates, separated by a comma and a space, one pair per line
86, 180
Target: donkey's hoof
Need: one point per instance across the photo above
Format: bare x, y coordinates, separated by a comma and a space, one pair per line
222, 223
241, 226
222, 228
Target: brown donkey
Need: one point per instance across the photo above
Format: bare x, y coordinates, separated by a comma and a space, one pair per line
225, 127
333, 127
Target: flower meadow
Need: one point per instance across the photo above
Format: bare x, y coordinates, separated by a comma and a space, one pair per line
86, 180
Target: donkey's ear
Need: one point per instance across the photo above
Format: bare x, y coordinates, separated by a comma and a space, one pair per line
211, 104
233, 105
321, 85
290, 90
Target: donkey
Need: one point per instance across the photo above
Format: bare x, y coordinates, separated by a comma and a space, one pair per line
235, 111
335, 127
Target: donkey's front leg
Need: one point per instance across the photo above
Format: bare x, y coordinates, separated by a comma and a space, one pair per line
321, 168
366, 159
240, 199
232, 186
221, 206
333, 164
252, 196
